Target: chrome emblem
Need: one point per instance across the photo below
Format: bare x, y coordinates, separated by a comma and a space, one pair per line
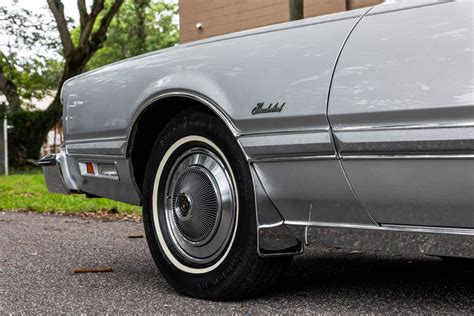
272, 108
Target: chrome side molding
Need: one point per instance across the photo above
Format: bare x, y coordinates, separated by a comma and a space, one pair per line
436, 241
396, 240
276, 145
402, 127
407, 156
387, 227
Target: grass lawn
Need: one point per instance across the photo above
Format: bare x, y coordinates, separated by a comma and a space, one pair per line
26, 191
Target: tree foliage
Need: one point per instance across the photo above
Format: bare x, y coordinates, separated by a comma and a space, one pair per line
107, 31
22, 78
140, 26
30, 128
27, 28
33, 78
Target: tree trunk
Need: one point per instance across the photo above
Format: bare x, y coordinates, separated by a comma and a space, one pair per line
296, 9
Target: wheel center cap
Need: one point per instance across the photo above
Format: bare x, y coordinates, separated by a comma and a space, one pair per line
183, 205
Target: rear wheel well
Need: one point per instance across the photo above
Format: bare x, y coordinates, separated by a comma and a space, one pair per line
149, 125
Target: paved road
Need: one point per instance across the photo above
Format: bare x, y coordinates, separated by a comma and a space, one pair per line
39, 252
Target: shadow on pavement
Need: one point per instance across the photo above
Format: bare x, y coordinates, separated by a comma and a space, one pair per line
375, 278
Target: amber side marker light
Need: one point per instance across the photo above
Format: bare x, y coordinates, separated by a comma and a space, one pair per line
90, 168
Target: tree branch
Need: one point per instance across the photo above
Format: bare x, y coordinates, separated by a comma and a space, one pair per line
83, 14
99, 36
86, 30
57, 8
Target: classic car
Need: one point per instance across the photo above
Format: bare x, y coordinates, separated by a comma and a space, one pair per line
351, 130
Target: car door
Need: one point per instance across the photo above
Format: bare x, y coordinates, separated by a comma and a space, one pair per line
402, 113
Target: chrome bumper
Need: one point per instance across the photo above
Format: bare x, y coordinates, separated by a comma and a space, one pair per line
53, 174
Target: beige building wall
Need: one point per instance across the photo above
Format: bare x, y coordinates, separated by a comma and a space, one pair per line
226, 16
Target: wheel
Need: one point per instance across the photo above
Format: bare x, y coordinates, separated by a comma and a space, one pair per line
199, 212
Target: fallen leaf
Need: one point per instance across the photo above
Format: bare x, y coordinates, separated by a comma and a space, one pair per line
29, 194
92, 270
135, 236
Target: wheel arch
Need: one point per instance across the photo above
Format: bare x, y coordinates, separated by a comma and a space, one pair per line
152, 117
165, 107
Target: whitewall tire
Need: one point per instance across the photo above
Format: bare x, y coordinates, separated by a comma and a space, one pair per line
199, 212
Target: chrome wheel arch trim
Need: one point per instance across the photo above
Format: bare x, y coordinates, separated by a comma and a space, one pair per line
211, 105
193, 95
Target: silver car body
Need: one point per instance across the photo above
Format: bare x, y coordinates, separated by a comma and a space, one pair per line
358, 126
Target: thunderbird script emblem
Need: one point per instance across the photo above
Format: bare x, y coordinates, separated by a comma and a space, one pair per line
272, 108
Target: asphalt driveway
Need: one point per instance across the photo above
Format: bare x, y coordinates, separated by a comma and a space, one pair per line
38, 254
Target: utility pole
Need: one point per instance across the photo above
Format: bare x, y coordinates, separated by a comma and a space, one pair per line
348, 5
5, 138
295, 10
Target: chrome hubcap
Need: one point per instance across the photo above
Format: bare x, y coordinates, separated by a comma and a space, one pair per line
199, 206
